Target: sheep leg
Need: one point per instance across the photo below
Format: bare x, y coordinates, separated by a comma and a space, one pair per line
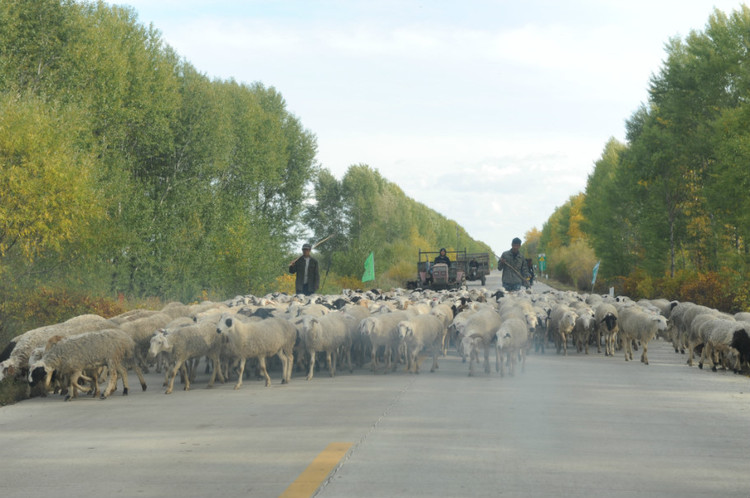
289, 365
216, 368
122, 372
312, 366
172, 374
263, 371
626, 347
644, 355
434, 361
715, 358
473, 356
112, 370
284, 360
373, 359
497, 359
331, 360
487, 359
185, 372
242, 371
503, 360
167, 370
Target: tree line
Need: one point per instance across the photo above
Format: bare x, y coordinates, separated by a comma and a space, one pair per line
126, 172
668, 211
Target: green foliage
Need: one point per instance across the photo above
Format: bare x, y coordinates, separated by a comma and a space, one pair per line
124, 171
48, 196
667, 212
365, 212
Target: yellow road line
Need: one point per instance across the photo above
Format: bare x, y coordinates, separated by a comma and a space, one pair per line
312, 477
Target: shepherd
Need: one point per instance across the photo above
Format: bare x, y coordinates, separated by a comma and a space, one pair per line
517, 273
308, 274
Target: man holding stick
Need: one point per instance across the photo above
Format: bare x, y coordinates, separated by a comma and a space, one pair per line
306, 268
513, 265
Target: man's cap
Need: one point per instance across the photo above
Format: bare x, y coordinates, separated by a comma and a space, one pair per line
516, 241
306, 246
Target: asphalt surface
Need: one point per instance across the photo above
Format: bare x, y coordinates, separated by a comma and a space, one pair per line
582, 425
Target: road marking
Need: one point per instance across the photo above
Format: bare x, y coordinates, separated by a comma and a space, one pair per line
312, 477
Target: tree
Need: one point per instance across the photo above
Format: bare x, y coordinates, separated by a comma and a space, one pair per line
48, 197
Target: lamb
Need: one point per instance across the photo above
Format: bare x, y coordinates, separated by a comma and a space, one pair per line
381, 330
640, 326
562, 320
584, 328
424, 331
70, 357
184, 343
18, 360
512, 340
259, 339
330, 333
606, 324
479, 331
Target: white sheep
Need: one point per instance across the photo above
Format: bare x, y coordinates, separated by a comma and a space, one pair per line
187, 342
680, 318
606, 326
584, 328
259, 339
381, 330
423, 331
692, 337
444, 311
359, 347
331, 333
512, 341
719, 338
17, 364
70, 357
479, 332
561, 322
637, 325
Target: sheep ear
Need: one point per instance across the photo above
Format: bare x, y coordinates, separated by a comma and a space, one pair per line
228, 322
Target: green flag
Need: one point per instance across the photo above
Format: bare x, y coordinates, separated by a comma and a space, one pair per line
369, 268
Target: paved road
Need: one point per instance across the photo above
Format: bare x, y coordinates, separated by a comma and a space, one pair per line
568, 426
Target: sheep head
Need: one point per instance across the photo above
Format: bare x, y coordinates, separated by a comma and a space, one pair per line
159, 343
225, 323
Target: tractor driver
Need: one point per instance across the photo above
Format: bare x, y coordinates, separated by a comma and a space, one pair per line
442, 258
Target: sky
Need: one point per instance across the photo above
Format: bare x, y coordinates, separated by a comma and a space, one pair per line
492, 113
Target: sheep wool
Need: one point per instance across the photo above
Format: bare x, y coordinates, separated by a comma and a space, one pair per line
259, 339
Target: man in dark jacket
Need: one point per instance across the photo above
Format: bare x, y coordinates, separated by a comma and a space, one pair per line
442, 258
306, 268
513, 265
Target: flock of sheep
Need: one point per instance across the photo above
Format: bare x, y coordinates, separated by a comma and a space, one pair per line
384, 329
